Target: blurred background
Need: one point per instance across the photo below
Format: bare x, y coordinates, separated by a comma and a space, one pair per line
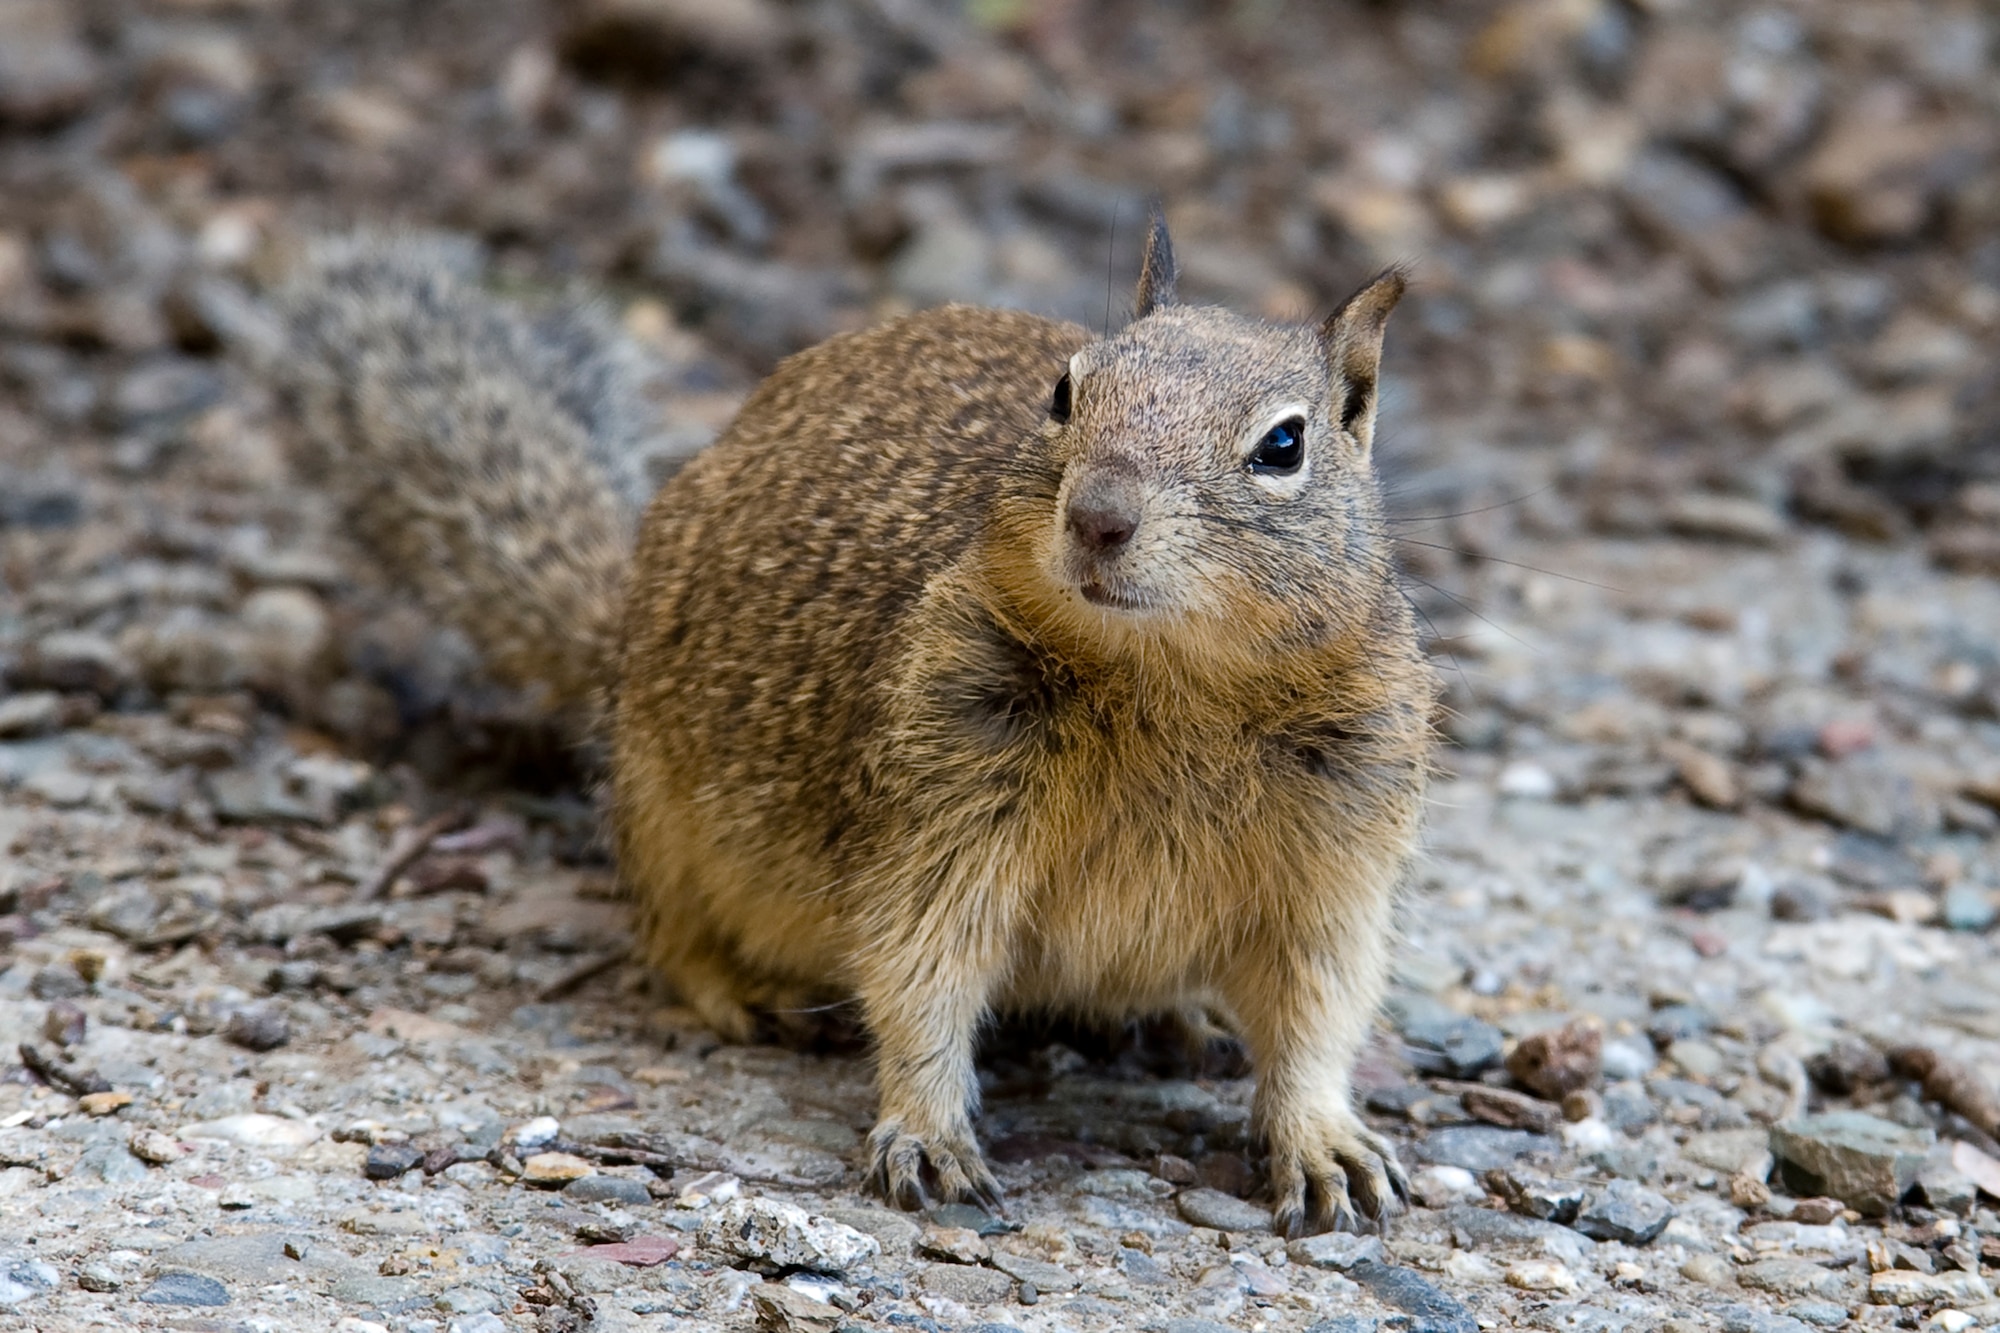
1691, 427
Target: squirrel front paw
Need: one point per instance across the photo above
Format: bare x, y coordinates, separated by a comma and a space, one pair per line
915, 1170
1323, 1172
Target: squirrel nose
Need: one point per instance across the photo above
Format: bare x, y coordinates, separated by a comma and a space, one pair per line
1103, 523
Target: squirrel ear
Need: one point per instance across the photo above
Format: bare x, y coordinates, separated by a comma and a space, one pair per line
1157, 271
1352, 336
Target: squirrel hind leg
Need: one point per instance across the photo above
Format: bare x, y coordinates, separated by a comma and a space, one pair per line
707, 980
743, 1008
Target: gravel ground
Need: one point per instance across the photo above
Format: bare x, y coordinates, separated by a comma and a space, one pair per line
312, 1007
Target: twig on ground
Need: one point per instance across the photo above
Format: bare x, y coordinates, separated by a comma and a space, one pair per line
577, 975
1954, 1084
408, 844
58, 1073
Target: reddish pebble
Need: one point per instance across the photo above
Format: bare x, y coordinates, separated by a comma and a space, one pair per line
1837, 740
640, 1251
1708, 944
207, 1182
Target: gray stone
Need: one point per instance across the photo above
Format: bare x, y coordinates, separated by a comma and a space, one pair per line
1782, 1276
183, 1288
1678, 1022
1346, 1323
371, 1290
1338, 1250
386, 1161
607, 1189
1864, 793
99, 1276
75, 660
772, 1236
964, 1283
1045, 1276
33, 714
1967, 906
1122, 1217
1480, 1148
784, 1309
1194, 1326
468, 1300
1477, 1228
24, 1279
1438, 1040
61, 787
1537, 1197
258, 1027
259, 1258
1403, 1288
46, 78
971, 1217
1735, 1151
1142, 1268
1943, 1186
1576, 1317
894, 1232
1826, 1314
1866, 1162
1743, 1319
1628, 1058
1223, 1212
1628, 1161
261, 796
112, 1163
1625, 1211
477, 1323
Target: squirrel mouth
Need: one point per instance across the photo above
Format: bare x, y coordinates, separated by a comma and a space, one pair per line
1110, 599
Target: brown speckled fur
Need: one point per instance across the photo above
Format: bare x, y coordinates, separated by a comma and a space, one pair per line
871, 739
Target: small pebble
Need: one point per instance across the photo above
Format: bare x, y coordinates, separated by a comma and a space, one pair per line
1223, 1212
99, 1277
1541, 1275
259, 1028
535, 1133
553, 1169
185, 1289
150, 1145
386, 1161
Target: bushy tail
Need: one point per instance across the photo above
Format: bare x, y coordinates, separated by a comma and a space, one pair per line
491, 458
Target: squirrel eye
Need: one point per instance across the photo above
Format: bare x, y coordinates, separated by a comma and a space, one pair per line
1282, 449
1059, 401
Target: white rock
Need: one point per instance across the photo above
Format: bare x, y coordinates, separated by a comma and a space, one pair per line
1471, 1266
1628, 1058
771, 1235
1589, 1135
1541, 1275
255, 1130
533, 1134
708, 1189
1527, 781
1443, 1186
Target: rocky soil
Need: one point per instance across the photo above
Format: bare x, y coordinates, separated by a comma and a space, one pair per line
313, 1011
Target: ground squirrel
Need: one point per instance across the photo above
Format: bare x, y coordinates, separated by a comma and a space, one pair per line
980, 665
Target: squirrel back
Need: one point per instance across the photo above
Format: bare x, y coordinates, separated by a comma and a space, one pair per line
490, 458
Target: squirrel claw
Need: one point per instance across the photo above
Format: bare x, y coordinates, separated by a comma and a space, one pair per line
1334, 1185
913, 1171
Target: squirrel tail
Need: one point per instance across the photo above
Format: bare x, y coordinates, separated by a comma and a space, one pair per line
492, 458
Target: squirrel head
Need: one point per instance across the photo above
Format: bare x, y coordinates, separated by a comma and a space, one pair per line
1215, 479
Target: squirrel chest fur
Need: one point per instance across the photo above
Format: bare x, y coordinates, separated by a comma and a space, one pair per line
982, 665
